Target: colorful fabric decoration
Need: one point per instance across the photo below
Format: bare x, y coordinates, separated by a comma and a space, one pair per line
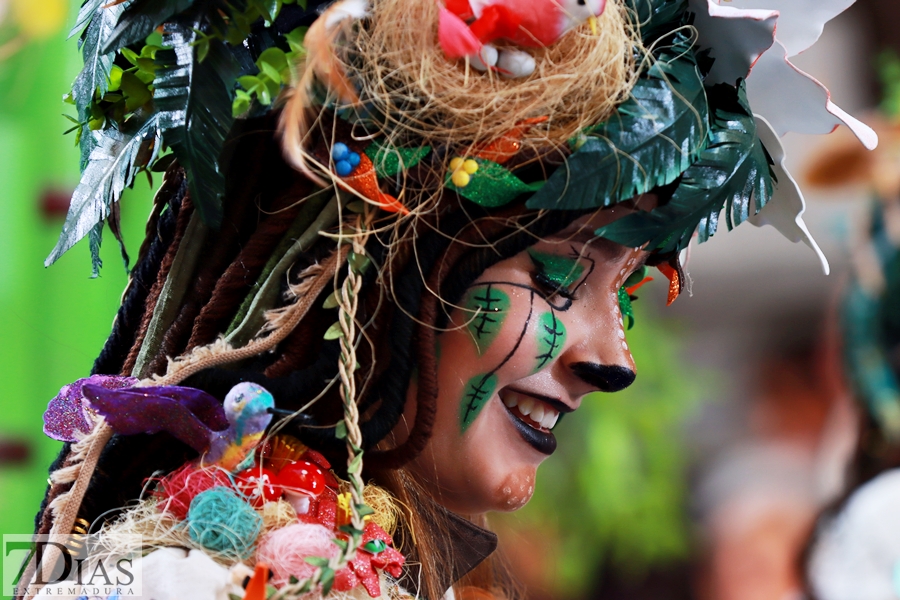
220, 520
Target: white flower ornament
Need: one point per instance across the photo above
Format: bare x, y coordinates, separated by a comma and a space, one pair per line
754, 39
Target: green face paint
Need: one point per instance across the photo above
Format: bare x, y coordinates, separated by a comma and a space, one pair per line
561, 271
477, 392
551, 337
489, 307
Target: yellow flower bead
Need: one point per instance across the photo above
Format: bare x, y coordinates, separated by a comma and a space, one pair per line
470, 166
456, 163
460, 178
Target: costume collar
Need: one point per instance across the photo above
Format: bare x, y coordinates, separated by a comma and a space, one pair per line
465, 546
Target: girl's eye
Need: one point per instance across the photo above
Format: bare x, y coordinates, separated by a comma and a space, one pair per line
553, 288
555, 273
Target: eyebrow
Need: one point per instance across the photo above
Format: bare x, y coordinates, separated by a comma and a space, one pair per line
585, 235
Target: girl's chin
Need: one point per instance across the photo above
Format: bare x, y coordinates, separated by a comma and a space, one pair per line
516, 490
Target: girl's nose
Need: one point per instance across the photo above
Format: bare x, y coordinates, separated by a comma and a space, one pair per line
605, 378
596, 356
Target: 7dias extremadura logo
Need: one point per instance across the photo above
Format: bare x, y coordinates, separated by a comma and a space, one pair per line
69, 566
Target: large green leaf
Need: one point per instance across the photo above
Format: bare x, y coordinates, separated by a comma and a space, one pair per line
140, 19
656, 17
733, 170
110, 170
85, 14
94, 76
194, 99
653, 137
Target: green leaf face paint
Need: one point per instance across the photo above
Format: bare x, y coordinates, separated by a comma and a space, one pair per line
560, 270
489, 307
626, 308
477, 392
551, 337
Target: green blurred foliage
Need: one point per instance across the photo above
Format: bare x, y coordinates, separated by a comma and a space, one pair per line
54, 321
615, 491
888, 65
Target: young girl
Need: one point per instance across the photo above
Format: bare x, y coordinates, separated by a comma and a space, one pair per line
397, 278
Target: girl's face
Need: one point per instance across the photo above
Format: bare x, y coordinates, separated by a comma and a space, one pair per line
535, 333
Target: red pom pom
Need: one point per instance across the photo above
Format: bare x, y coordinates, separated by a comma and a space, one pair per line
178, 488
259, 485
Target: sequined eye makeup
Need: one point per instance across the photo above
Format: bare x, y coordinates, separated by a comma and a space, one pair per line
627, 297
556, 273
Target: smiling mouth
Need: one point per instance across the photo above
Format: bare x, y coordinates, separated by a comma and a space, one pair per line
532, 418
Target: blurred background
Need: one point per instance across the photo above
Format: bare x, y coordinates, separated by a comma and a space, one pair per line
702, 481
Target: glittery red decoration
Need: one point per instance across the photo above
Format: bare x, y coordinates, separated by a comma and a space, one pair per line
507, 146
638, 285
364, 180
674, 282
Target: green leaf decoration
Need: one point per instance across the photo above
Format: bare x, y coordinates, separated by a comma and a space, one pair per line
194, 99
95, 75
653, 137
140, 19
110, 170
95, 239
493, 185
626, 308
85, 14
389, 161
655, 17
733, 169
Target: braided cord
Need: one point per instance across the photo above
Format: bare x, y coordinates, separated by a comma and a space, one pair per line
348, 303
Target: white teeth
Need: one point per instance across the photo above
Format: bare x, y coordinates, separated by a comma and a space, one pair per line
537, 413
550, 419
526, 405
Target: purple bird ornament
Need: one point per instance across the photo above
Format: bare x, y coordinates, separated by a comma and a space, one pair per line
224, 436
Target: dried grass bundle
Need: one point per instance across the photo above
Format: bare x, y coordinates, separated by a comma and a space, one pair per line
411, 94
403, 75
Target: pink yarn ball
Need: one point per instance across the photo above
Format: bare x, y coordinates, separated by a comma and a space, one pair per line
285, 549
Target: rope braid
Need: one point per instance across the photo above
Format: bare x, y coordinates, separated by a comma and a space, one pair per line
348, 303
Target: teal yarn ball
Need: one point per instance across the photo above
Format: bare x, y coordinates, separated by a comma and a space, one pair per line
221, 520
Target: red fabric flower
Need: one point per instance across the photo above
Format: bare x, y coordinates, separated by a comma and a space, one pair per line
364, 564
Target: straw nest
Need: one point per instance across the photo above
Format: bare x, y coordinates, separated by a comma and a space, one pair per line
403, 76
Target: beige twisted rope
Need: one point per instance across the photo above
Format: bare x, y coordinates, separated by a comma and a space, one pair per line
348, 303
